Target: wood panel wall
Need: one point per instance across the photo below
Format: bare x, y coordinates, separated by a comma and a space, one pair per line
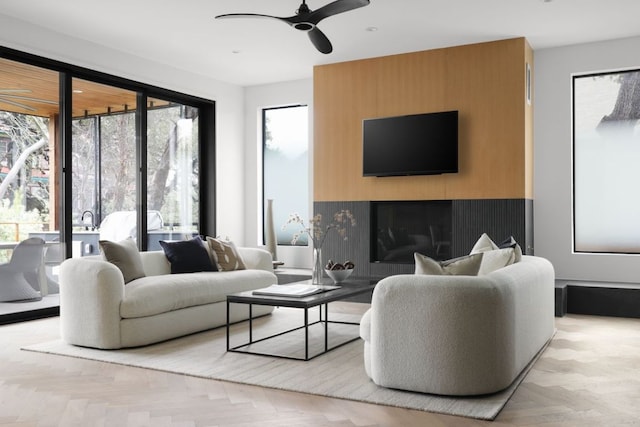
484, 82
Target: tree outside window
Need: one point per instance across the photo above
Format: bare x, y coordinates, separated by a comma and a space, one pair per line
606, 162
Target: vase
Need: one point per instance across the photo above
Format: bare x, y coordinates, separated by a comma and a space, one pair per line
318, 268
270, 234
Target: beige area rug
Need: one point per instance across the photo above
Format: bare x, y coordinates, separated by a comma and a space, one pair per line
338, 373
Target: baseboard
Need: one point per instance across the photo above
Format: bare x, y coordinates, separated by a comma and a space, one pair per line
23, 316
599, 298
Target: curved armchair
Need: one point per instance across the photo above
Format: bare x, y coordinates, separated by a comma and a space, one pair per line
26, 261
458, 335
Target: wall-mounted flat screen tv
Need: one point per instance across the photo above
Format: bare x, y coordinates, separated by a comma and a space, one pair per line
417, 144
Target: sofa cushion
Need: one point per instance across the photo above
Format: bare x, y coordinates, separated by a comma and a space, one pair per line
124, 255
187, 256
468, 265
225, 255
152, 295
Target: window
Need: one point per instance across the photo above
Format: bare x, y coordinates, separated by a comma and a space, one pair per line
285, 138
128, 148
606, 162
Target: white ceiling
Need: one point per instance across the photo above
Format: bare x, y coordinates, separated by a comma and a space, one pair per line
184, 34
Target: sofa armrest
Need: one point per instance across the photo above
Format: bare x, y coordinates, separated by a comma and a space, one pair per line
460, 334
90, 295
432, 333
256, 258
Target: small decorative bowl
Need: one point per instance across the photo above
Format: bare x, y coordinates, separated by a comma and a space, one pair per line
339, 276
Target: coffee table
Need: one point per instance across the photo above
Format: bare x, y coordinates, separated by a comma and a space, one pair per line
345, 290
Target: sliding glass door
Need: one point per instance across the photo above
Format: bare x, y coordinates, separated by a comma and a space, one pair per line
106, 152
85, 156
30, 205
103, 165
173, 184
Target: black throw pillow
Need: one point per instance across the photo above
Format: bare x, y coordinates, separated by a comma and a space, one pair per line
188, 256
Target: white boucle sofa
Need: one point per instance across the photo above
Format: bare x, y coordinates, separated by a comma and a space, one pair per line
458, 335
98, 310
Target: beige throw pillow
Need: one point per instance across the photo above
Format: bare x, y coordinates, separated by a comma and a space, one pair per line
225, 255
463, 266
483, 244
494, 256
124, 255
496, 259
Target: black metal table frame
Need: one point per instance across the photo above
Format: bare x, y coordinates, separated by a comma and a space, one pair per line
275, 303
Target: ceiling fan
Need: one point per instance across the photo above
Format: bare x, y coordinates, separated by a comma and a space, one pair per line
9, 97
307, 20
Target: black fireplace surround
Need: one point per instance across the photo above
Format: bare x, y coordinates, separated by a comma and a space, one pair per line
389, 232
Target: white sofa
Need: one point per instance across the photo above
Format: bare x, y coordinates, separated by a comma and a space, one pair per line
98, 310
458, 335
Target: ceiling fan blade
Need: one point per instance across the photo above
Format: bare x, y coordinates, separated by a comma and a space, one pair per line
247, 15
338, 6
320, 41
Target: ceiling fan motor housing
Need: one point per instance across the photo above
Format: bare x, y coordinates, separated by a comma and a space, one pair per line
303, 26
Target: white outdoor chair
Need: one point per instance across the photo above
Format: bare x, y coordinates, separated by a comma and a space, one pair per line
26, 260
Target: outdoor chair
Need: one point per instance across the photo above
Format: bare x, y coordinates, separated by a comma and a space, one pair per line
26, 260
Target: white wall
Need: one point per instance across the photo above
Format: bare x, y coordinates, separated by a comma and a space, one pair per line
28, 38
257, 98
553, 158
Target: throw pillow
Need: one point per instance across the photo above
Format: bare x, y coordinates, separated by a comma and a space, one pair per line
468, 265
124, 255
426, 265
496, 259
484, 244
225, 255
187, 256
510, 242
494, 256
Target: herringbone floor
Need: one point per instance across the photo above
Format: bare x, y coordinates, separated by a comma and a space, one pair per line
588, 376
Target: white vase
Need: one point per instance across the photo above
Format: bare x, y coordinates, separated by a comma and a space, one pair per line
270, 234
317, 269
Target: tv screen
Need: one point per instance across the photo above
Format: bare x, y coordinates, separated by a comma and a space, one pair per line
417, 144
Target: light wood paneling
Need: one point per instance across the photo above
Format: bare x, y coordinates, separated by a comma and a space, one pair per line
528, 126
39, 92
484, 82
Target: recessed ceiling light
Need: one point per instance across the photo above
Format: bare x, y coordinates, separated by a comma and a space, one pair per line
371, 29
235, 51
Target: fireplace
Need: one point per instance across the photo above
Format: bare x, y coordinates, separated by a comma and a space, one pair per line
401, 228
459, 224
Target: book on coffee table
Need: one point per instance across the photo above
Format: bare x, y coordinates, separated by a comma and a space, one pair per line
298, 290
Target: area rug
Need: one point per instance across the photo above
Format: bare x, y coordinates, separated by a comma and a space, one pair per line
338, 373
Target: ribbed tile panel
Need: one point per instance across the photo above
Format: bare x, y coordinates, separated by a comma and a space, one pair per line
500, 218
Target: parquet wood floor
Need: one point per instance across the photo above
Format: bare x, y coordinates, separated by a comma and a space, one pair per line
588, 376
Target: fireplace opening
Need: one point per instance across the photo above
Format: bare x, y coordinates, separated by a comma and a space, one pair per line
400, 228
